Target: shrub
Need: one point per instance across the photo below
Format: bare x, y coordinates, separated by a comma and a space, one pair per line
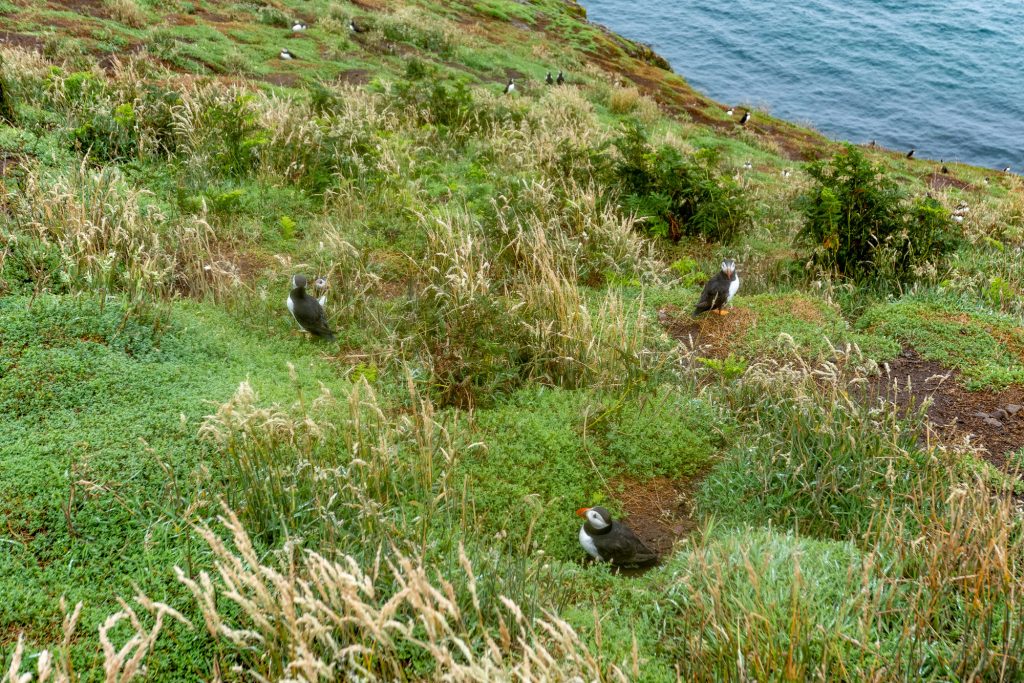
678, 196
860, 224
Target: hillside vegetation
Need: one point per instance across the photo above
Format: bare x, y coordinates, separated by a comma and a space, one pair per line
193, 489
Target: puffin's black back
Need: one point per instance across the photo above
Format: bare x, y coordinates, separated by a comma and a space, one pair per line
623, 548
308, 312
715, 294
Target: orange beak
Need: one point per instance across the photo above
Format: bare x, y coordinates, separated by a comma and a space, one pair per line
582, 512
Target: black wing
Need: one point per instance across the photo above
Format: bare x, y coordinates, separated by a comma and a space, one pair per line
715, 294
625, 549
316, 321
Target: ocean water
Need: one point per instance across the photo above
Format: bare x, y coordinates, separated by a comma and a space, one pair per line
946, 78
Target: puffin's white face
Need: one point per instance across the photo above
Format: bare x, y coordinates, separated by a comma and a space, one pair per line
595, 519
728, 267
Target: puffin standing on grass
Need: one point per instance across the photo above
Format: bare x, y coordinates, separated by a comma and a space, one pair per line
286, 54
746, 118
549, 80
307, 310
613, 542
719, 290
560, 80
511, 86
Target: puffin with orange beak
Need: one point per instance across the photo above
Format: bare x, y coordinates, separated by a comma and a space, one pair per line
612, 542
719, 290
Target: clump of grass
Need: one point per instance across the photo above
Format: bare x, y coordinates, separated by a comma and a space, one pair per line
127, 12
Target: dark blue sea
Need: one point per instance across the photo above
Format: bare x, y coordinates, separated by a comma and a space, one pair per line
946, 78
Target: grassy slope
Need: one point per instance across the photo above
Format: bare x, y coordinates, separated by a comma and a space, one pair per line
101, 465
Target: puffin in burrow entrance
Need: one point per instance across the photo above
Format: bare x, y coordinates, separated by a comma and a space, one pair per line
719, 290
608, 541
307, 310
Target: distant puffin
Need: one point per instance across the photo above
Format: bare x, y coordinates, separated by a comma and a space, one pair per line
320, 287
872, 144
748, 165
729, 111
719, 290
307, 311
354, 27
549, 80
285, 54
745, 119
786, 173
299, 26
1006, 170
945, 169
910, 154
510, 86
561, 79
612, 542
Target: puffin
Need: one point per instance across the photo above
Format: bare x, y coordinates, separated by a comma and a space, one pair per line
510, 87
355, 28
910, 154
945, 169
549, 80
745, 119
729, 111
748, 165
1006, 170
308, 311
561, 79
285, 54
613, 542
719, 290
299, 26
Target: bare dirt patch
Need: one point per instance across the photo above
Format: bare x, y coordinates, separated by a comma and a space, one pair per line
355, 76
92, 8
658, 510
710, 334
942, 181
992, 420
22, 40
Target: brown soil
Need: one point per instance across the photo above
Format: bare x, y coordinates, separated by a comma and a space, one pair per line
910, 380
355, 76
282, 79
92, 8
942, 181
710, 334
658, 510
22, 40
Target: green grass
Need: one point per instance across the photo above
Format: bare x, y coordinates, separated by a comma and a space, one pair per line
828, 539
982, 345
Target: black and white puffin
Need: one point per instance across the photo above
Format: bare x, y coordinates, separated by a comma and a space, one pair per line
549, 80
1006, 170
308, 311
561, 79
510, 86
745, 119
285, 54
719, 290
612, 542
298, 26
910, 154
355, 28
729, 111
